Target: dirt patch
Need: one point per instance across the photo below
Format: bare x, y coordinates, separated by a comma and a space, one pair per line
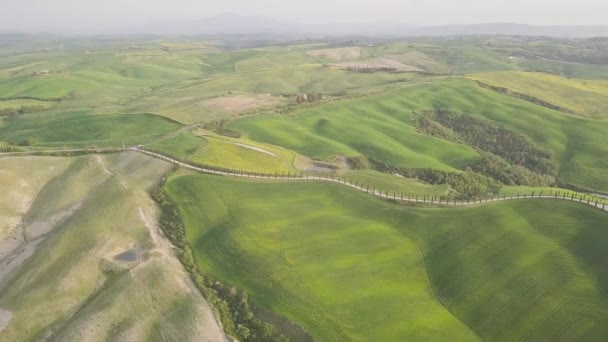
338, 54
39, 228
5, 318
309, 165
261, 150
379, 62
26, 238
239, 103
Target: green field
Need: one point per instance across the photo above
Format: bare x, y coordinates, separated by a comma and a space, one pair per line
228, 153
340, 264
383, 127
82, 129
586, 97
348, 267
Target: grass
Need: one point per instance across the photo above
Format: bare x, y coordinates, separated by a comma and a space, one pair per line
522, 270
20, 189
242, 155
586, 97
227, 153
16, 104
70, 288
383, 127
395, 184
181, 146
82, 129
312, 258
182, 101
348, 267
376, 127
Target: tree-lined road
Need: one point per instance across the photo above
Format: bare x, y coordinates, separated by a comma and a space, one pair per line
376, 193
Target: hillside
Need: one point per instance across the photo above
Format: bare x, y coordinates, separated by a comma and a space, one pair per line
267, 188
82, 257
348, 267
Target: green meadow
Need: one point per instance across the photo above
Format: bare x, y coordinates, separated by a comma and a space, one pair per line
80, 128
383, 127
345, 266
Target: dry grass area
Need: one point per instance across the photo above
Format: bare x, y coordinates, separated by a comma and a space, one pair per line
65, 282
337, 54
239, 103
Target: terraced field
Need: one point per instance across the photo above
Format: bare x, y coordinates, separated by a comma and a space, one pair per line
296, 247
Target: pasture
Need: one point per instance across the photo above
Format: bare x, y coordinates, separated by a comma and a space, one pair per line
80, 128
503, 271
383, 127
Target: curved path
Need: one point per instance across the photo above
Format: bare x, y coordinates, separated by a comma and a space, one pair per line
376, 193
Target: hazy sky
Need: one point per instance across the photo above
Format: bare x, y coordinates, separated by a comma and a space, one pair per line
100, 14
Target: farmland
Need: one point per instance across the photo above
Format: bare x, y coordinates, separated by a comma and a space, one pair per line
82, 256
279, 242
383, 127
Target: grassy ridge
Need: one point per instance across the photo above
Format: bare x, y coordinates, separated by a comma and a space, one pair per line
346, 266
382, 127
379, 129
72, 288
514, 271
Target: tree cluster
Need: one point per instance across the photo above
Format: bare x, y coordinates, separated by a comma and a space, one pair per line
467, 184
509, 174
358, 162
309, 98
507, 156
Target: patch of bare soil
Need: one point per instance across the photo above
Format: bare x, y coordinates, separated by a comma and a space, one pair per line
24, 240
5, 318
239, 103
309, 165
379, 62
337, 54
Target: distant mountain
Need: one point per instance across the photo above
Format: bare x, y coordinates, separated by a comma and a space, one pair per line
234, 25
511, 29
225, 24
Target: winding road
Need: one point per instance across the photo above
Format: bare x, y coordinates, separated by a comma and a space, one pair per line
376, 193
